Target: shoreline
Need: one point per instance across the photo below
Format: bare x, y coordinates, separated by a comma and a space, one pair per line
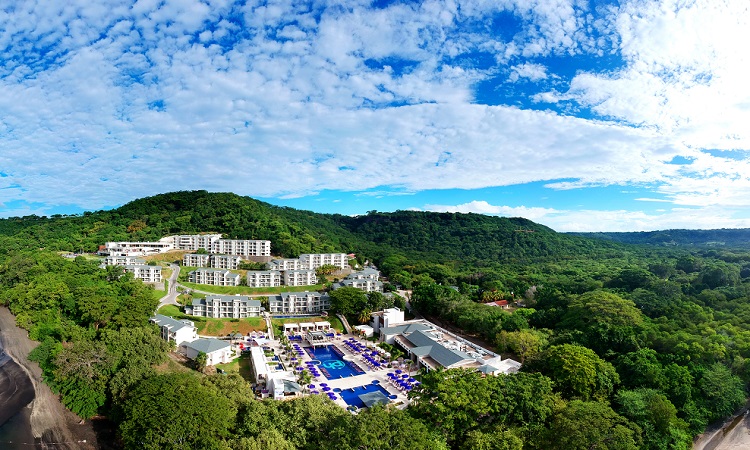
16, 389
52, 425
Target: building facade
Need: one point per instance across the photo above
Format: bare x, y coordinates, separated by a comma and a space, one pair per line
196, 260
135, 248
299, 277
122, 261
226, 261
263, 278
173, 330
215, 277
315, 260
224, 307
298, 303
145, 273
242, 247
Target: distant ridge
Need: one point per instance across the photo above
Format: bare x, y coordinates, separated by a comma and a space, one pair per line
428, 236
724, 237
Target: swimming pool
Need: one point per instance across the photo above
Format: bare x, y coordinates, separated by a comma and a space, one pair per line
332, 363
351, 395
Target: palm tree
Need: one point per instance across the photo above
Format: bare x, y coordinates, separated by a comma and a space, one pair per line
364, 316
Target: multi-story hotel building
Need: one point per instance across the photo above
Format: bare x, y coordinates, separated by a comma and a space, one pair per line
215, 277
241, 247
263, 278
224, 306
145, 273
298, 303
315, 260
196, 260
299, 277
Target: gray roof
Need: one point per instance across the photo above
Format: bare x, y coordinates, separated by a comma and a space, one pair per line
284, 295
173, 324
444, 356
207, 345
405, 329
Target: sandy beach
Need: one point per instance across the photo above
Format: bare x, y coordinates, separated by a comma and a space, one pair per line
52, 425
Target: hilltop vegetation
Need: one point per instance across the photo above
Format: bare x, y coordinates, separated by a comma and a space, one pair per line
624, 346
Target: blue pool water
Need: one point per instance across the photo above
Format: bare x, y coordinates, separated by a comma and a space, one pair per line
332, 363
352, 397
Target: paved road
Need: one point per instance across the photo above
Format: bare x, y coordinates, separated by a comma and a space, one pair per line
171, 297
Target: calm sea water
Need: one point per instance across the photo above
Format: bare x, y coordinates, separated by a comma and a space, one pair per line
16, 433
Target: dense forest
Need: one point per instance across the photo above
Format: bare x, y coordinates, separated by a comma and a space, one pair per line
624, 346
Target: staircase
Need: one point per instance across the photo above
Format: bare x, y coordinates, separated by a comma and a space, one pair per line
345, 323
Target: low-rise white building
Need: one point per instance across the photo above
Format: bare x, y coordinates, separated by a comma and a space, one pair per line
287, 264
193, 241
114, 260
145, 273
263, 278
226, 261
315, 260
244, 247
299, 277
215, 277
217, 351
196, 260
386, 318
135, 248
173, 330
224, 307
298, 303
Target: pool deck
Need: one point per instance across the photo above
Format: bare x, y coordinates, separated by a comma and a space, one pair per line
401, 400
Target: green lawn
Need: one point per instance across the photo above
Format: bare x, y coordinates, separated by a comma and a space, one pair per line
216, 327
247, 290
241, 365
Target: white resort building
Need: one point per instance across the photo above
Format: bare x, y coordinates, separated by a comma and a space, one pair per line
145, 273
298, 303
215, 277
263, 278
135, 248
434, 348
177, 331
299, 277
224, 307
196, 260
114, 260
315, 260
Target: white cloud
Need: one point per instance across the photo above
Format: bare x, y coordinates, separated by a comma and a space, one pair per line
606, 220
101, 102
531, 71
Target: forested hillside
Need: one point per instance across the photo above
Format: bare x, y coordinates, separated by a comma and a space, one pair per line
624, 346
730, 238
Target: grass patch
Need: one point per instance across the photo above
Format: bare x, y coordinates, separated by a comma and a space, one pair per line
241, 366
216, 327
173, 311
247, 290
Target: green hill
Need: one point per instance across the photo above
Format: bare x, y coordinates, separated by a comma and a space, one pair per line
435, 237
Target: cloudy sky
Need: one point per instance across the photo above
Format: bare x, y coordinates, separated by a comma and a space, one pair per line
581, 115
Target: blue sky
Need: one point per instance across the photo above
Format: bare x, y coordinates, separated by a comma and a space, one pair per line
580, 115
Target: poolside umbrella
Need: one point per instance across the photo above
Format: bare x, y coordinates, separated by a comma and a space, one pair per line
374, 398
398, 371
487, 369
311, 386
405, 376
326, 388
411, 380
